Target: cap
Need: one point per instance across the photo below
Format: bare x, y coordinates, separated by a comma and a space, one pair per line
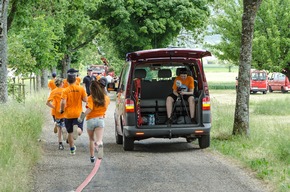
103, 81
72, 70
53, 74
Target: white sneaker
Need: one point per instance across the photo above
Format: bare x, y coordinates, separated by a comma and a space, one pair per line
100, 151
75, 132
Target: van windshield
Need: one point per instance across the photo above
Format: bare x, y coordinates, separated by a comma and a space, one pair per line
260, 76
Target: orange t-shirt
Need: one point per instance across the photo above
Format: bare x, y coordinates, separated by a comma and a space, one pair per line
97, 111
51, 85
55, 97
73, 95
78, 80
187, 83
65, 83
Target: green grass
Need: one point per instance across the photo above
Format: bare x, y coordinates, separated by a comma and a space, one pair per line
219, 68
221, 85
20, 127
267, 150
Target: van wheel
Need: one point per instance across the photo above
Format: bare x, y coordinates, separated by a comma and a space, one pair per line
204, 141
283, 90
270, 89
128, 143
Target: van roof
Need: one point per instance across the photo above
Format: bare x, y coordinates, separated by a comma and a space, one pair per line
168, 53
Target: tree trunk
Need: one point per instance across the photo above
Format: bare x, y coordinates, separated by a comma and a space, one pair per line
3, 51
38, 82
44, 78
241, 121
65, 64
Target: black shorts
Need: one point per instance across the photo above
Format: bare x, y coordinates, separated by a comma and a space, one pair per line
69, 123
174, 97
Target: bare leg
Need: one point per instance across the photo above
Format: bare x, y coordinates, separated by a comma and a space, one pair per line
191, 106
59, 134
169, 102
80, 131
99, 132
71, 140
91, 142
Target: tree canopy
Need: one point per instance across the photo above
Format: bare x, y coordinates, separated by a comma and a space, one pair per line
138, 24
271, 43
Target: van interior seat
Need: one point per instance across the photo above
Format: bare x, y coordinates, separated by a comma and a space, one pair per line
154, 93
140, 73
164, 73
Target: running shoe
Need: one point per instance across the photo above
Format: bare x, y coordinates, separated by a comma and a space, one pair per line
73, 150
100, 151
75, 132
60, 146
93, 159
55, 127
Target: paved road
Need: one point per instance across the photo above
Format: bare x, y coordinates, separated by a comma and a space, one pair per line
156, 165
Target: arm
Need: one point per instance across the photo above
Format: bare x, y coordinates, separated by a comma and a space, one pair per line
190, 92
48, 103
62, 105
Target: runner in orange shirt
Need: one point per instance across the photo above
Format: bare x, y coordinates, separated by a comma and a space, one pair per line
53, 102
71, 106
65, 83
97, 106
51, 84
78, 80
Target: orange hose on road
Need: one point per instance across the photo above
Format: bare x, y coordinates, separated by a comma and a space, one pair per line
90, 176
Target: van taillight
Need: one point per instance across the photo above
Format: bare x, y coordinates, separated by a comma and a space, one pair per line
206, 103
129, 106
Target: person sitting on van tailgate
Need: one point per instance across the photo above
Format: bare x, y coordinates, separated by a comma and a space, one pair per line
71, 106
183, 86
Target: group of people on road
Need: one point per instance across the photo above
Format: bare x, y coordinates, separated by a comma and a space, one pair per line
67, 110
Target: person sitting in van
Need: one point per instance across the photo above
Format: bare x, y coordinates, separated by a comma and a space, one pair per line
183, 86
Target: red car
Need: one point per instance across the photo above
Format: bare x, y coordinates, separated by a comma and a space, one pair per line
279, 82
259, 81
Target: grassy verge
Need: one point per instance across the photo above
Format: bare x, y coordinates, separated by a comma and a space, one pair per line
221, 85
267, 150
20, 127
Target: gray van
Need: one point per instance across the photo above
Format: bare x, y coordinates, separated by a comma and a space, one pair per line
144, 84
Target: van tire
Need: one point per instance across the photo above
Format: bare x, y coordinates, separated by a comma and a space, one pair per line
283, 90
128, 143
270, 89
204, 141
